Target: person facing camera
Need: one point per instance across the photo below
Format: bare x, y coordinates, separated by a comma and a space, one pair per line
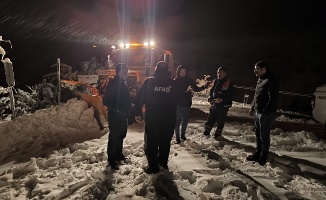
185, 88
263, 109
221, 96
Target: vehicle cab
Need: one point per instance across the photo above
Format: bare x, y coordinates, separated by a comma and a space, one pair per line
141, 60
319, 104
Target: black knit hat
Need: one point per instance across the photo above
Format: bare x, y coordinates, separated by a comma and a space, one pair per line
162, 69
120, 66
263, 64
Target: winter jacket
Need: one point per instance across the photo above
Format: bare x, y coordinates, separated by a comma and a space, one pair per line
158, 95
266, 94
222, 88
117, 97
184, 97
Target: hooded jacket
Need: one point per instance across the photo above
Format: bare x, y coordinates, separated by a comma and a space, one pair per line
184, 97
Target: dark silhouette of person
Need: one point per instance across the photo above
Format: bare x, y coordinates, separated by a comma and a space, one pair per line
158, 95
117, 100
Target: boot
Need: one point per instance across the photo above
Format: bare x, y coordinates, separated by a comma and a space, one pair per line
114, 165
261, 161
218, 133
253, 157
121, 158
149, 170
206, 133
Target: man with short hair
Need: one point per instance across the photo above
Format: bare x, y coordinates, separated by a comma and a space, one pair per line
117, 99
158, 94
221, 96
263, 108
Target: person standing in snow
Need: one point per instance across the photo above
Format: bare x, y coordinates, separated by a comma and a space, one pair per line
185, 89
221, 96
158, 94
117, 100
263, 108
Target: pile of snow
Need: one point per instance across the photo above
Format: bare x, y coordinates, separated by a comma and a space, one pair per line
48, 129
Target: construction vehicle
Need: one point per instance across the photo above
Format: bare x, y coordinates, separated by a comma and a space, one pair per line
141, 60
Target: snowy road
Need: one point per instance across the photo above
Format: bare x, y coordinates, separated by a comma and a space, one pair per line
200, 155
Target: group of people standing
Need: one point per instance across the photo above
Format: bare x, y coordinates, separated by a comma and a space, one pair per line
168, 101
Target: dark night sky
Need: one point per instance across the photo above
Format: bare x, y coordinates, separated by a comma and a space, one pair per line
203, 35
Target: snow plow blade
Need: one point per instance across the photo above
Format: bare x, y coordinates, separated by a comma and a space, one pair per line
88, 94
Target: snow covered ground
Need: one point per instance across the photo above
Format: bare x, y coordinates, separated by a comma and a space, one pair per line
60, 153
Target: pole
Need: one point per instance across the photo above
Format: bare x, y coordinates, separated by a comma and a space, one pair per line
12, 102
59, 81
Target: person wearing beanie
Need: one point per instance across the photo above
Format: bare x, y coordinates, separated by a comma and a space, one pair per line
158, 95
185, 88
263, 109
221, 96
117, 100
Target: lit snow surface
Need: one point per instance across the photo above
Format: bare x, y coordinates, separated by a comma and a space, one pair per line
60, 153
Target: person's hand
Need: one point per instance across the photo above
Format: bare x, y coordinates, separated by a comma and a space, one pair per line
218, 100
190, 91
211, 101
138, 119
251, 112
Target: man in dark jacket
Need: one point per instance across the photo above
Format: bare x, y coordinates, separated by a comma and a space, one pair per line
185, 87
158, 94
264, 108
117, 99
220, 98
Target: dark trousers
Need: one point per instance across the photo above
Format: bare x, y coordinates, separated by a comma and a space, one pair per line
263, 125
118, 130
182, 119
217, 113
159, 129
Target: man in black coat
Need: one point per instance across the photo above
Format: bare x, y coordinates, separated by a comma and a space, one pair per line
158, 94
117, 99
264, 108
185, 88
220, 98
